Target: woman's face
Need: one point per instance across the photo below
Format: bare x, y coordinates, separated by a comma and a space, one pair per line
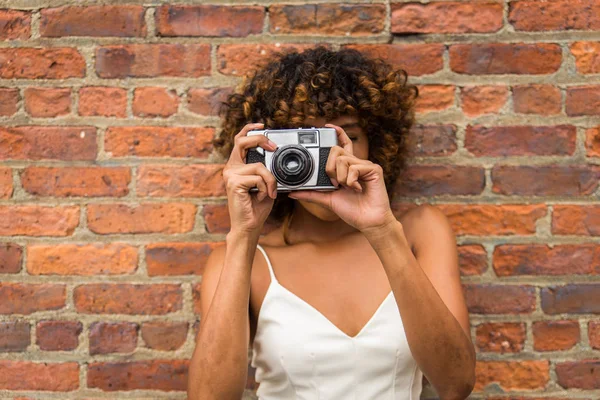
360, 148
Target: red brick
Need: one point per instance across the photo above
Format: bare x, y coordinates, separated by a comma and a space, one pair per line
483, 140
34, 220
581, 374
23, 298
209, 20
76, 181
113, 337
592, 142
67, 143
478, 100
14, 336
446, 17
435, 180
540, 259
91, 20
207, 101
11, 258
194, 180
177, 258
587, 56
15, 24
512, 375
103, 101
216, 218
483, 299
163, 335
81, 259
47, 376
594, 334
9, 97
148, 60
506, 337
569, 219
159, 141
133, 299
472, 259
546, 180
58, 335
6, 183
572, 298
556, 15
505, 58
583, 100
537, 99
41, 63
239, 59
434, 98
47, 102
155, 102
432, 140
415, 59
164, 375
327, 19
555, 335
166, 218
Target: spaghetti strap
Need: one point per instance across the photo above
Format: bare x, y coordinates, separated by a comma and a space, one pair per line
268, 262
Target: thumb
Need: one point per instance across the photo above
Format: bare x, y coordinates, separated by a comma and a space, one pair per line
313, 196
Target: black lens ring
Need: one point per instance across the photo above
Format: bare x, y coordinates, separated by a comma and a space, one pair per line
304, 173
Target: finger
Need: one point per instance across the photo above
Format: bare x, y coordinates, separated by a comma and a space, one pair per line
236, 155
313, 196
343, 138
247, 182
341, 169
244, 143
330, 166
361, 170
352, 181
262, 171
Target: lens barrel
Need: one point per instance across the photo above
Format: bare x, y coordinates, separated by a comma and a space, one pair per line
292, 165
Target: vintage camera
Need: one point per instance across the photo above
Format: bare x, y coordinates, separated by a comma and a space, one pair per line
299, 161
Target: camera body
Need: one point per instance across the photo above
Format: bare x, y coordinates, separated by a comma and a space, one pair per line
299, 161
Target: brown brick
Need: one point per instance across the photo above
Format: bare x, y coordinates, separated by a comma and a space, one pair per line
148, 60
33, 220
555, 335
194, 180
47, 376
576, 220
478, 100
556, 15
67, 143
23, 298
58, 335
583, 100
592, 142
594, 334
512, 375
9, 97
483, 140
505, 58
113, 337
103, 101
11, 258
239, 59
207, 101
209, 20
163, 218
163, 335
432, 140
327, 19
446, 17
81, 259
76, 181
434, 98
15, 24
546, 180
483, 299
177, 258
572, 298
133, 299
159, 141
216, 218
537, 99
155, 102
164, 375
505, 337
47, 102
14, 336
435, 180
472, 259
415, 59
581, 374
41, 63
91, 20
6, 183
587, 56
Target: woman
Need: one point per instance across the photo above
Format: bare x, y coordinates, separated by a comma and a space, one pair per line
343, 300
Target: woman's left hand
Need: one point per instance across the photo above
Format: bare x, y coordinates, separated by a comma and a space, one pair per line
361, 200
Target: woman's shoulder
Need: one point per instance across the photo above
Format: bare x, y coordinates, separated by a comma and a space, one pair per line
423, 222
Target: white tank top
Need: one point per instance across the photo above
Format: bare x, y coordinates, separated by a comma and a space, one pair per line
300, 354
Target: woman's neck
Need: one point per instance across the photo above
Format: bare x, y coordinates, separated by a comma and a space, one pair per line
305, 227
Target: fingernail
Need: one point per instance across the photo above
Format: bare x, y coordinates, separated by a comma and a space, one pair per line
271, 143
334, 182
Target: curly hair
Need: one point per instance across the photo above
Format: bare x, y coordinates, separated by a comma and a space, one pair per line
325, 83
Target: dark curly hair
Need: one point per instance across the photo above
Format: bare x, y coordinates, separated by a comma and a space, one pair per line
327, 84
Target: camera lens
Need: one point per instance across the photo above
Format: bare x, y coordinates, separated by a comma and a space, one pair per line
292, 165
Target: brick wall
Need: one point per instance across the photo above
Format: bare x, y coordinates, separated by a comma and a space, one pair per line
111, 199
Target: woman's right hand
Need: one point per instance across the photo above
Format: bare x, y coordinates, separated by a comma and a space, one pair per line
248, 211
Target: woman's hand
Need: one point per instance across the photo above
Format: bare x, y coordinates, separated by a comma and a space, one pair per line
247, 211
362, 200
